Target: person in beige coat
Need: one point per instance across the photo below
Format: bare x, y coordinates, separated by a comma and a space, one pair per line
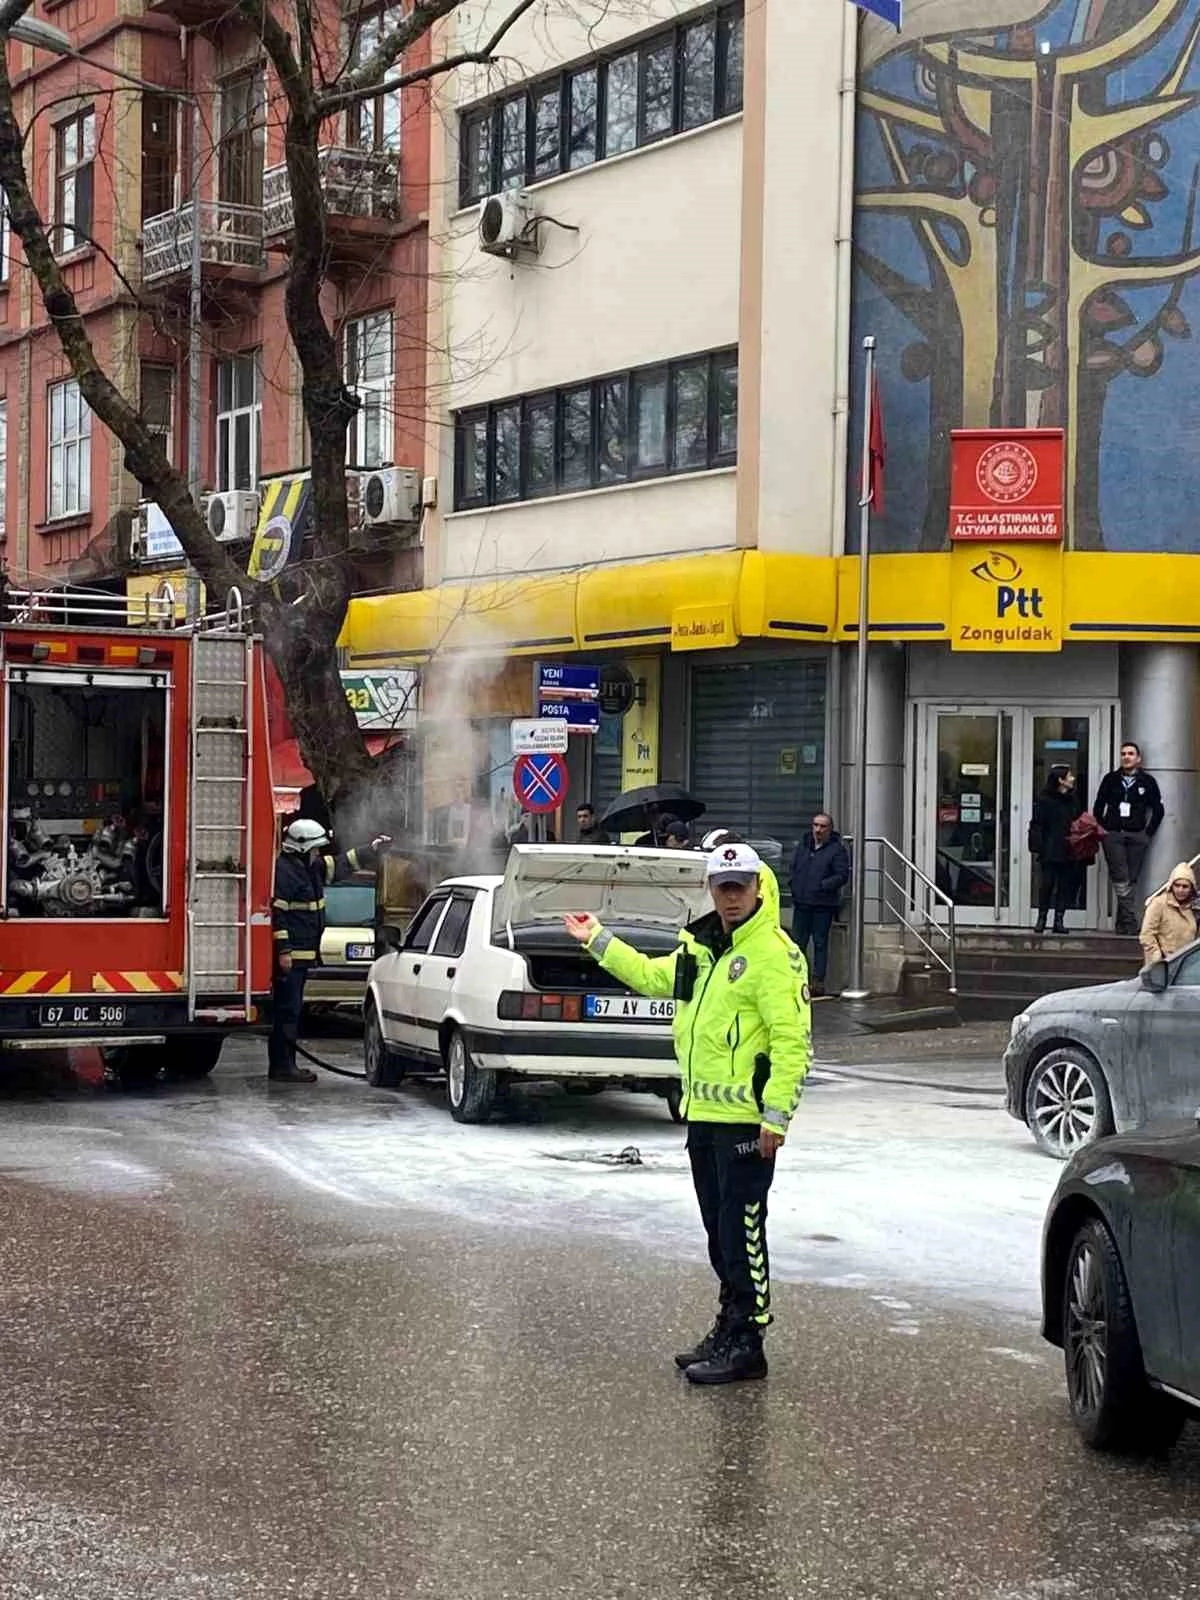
1170, 920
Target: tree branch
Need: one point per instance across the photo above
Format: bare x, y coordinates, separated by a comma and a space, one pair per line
367, 80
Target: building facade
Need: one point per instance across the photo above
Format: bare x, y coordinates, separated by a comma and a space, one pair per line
645, 406
1021, 195
123, 176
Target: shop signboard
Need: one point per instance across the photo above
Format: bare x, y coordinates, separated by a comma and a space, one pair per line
1006, 485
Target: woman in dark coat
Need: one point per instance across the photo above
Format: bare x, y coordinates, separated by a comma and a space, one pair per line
1053, 814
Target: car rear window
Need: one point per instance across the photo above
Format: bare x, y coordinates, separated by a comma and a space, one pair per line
350, 905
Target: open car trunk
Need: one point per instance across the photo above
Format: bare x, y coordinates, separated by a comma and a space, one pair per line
643, 896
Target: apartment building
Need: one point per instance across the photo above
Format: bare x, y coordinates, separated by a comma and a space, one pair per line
125, 176
635, 238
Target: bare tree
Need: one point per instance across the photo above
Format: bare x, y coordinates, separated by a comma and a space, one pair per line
301, 612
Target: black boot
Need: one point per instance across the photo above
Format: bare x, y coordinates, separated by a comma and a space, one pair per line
291, 1074
1040, 925
708, 1346
1059, 925
739, 1358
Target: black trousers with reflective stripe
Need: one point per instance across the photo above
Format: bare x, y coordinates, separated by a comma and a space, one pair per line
287, 1002
732, 1181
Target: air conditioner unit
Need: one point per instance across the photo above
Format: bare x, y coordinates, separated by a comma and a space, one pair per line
232, 515
507, 224
391, 496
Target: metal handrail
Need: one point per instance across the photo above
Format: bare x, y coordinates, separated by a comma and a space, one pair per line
897, 871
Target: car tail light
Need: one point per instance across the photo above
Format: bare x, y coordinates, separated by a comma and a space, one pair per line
515, 1006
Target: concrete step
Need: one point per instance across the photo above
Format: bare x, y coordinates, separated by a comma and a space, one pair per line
1012, 942
1082, 962
990, 1007
1021, 981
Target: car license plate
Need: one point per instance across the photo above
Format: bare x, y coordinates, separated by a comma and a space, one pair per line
82, 1014
627, 1008
360, 952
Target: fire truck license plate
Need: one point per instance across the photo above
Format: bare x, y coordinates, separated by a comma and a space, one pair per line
82, 1014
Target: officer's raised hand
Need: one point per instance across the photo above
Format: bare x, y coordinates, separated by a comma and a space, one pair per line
580, 925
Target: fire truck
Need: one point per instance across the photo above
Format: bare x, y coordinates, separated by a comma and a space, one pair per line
139, 830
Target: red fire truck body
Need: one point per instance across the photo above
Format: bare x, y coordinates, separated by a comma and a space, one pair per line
138, 842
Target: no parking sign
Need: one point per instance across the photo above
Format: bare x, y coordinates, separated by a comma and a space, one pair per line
540, 782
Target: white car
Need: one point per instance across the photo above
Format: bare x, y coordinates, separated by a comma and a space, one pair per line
487, 985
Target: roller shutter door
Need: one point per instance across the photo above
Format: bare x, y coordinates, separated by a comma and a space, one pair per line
758, 746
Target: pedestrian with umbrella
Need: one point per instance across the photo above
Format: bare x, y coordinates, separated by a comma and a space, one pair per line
649, 809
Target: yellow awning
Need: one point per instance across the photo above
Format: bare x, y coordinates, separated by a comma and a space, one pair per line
702, 602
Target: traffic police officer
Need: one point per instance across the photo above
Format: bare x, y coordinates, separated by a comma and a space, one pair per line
743, 1041
302, 873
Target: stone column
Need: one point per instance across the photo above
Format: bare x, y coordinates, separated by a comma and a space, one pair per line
1160, 701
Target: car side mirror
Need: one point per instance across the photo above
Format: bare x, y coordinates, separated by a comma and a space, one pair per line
391, 938
1156, 978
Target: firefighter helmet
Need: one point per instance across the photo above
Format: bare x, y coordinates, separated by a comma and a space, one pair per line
304, 835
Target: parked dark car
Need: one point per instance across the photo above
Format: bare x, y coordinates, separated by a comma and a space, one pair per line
1121, 1285
1083, 1063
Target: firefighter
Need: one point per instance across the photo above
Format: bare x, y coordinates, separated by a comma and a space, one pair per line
743, 1041
302, 873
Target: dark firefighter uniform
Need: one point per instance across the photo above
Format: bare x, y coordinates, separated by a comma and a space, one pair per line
298, 921
743, 1040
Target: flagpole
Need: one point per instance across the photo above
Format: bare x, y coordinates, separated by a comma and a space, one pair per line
858, 861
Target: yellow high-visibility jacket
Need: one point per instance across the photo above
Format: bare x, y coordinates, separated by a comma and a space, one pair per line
743, 1037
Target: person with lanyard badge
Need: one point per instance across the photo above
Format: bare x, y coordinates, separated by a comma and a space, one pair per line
743, 1041
1129, 808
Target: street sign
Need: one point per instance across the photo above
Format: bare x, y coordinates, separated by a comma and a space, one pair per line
581, 716
540, 782
533, 734
568, 682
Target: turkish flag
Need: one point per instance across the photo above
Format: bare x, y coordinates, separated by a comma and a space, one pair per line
877, 451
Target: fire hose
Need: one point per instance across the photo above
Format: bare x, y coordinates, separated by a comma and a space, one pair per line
327, 1066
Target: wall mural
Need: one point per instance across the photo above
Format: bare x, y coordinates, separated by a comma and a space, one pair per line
1027, 245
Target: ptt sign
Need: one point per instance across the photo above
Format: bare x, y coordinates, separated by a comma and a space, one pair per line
1006, 599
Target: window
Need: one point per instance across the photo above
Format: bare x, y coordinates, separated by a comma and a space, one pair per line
74, 154
583, 127
452, 935
575, 468
421, 929
620, 125
240, 157
471, 436
239, 421
656, 111
675, 417
677, 79
158, 404
1187, 973
650, 421
374, 124
159, 155
539, 473
3, 468
729, 62
370, 371
69, 430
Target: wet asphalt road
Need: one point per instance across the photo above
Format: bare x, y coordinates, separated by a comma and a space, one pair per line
251, 1345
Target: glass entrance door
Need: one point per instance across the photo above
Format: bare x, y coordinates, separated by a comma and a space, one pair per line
972, 801
982, 771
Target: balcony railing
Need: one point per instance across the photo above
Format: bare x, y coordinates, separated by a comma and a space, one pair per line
355, 183
230, 236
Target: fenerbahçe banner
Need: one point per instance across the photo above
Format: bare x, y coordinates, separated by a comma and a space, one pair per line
1006, 597
282, 524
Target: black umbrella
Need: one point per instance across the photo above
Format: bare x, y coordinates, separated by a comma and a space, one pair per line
639, 808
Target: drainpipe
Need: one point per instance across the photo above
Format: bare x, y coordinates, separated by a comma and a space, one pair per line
847, 93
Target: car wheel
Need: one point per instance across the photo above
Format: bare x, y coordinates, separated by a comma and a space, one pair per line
1112, 1405
383, 1069
470, 1090
675, 1102
1067, 1104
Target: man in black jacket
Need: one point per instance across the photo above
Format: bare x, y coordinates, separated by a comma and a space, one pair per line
820, 871
302, 873
1129, 808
